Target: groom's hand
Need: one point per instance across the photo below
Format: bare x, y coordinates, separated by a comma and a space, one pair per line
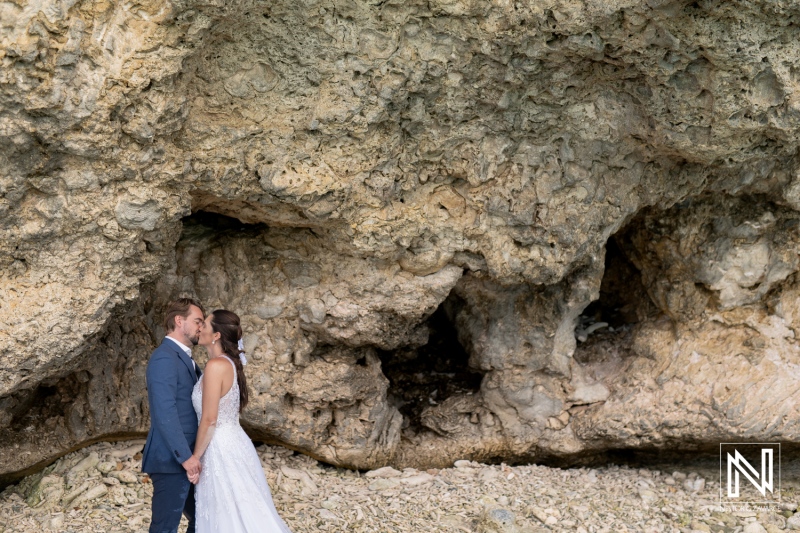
192, 466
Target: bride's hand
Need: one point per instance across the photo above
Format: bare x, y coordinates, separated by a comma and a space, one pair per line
194, 478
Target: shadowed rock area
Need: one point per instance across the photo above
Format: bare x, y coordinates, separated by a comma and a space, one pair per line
585, 211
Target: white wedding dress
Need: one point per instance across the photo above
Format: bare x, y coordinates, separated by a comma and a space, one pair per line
232, 495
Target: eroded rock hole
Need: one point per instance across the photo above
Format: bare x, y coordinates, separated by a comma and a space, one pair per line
428, 375
207, 220
29, 408
623, 300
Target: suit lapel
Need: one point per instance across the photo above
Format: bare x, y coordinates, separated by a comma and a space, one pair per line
184, 358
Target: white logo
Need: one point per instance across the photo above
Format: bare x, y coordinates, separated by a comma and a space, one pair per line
738, 464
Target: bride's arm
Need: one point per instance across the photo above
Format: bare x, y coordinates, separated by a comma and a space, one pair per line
212, 392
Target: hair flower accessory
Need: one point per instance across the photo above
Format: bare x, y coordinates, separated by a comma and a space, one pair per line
241, 352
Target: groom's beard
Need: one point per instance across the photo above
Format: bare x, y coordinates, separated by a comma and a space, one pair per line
193, 339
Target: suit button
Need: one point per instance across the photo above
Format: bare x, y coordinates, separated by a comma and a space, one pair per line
176, 452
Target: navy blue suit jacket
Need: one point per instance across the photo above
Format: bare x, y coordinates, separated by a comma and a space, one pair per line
173, 422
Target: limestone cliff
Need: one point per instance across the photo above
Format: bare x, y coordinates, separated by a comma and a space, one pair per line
425, 213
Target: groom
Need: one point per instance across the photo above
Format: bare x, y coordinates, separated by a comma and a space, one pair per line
167, 457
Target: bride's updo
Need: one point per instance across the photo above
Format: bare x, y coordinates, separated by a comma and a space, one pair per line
228, 326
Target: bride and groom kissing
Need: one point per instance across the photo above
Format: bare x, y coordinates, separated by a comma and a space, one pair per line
201, 462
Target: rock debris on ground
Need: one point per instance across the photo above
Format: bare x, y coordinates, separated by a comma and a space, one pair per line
101, 488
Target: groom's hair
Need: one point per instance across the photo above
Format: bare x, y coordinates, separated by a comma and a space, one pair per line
180, 307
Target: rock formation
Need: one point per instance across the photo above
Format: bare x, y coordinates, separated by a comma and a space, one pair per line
453, 229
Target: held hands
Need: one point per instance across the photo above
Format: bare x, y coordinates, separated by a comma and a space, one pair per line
192, 466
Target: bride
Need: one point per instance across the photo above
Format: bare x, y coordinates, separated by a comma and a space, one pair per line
231, 492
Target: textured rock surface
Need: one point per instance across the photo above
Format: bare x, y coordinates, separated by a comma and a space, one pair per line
532, 171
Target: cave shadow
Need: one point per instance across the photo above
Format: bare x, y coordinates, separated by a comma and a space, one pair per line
428, 375
686, 457
624, 301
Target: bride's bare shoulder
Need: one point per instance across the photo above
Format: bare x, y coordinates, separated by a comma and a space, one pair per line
218, 367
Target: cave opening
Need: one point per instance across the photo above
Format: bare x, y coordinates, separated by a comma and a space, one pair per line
428, 375
623, 302
31, 407
208, 220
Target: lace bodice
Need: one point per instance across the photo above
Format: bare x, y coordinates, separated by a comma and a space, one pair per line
232, 494
228, 404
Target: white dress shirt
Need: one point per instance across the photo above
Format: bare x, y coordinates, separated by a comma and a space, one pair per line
185, 349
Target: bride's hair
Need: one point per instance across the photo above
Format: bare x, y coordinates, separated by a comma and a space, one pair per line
227, 324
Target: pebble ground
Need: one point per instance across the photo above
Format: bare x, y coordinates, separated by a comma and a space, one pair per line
100, 489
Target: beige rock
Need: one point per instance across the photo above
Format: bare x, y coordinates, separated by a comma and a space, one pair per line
116, 494
540, 514
125, 476
417, 479
86, 464
497, 520
384, 472
496, 162
106, 466
383, 484
47, 492
772, 518
74, 493
754, 527
793, 522
93, 492
301, 476
648, 496
55, 522
135, 447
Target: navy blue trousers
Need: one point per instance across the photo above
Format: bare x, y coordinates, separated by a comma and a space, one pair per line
173, 496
